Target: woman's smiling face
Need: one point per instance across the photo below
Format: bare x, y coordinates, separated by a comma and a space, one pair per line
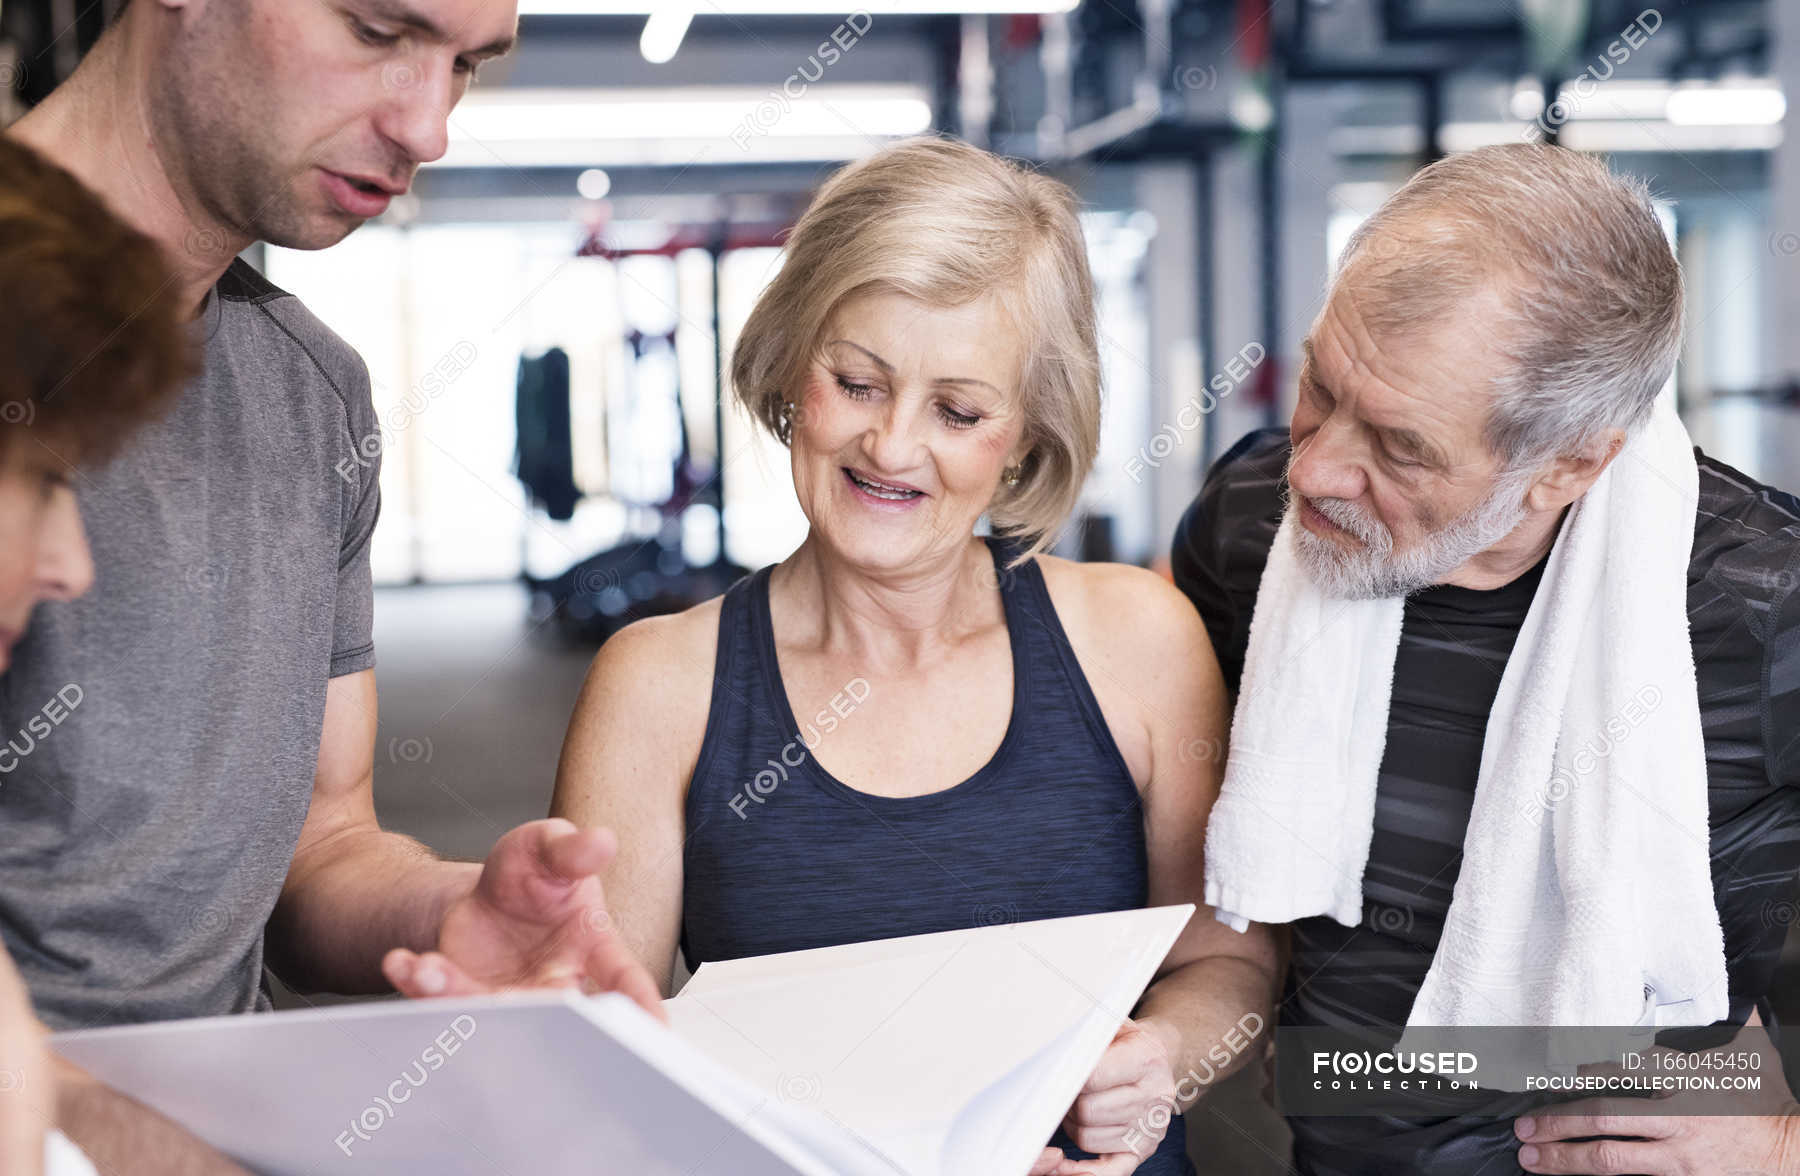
908, 417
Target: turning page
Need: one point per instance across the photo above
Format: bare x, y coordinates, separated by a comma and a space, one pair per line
950, 1054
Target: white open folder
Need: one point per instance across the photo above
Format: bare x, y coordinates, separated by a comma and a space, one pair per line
953, 1054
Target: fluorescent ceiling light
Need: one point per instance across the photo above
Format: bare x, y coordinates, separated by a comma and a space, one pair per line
788, 7
619, 154
525, 126
1605, 135
663, 33
1588, 99
1754, 105
1653, 136
1744, 104
533, 114
1601, 100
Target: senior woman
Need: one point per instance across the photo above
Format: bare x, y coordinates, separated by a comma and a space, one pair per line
978, 732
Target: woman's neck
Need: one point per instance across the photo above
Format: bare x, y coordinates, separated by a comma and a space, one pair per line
902, 618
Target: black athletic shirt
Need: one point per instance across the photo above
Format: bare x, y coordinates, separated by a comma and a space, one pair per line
781, 855
1744, 622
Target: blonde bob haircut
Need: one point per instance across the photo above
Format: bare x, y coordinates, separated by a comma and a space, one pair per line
946, 223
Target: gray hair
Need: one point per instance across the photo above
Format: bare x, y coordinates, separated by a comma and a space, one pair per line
1587, 292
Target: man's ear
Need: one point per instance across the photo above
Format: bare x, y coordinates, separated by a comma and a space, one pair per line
1568, 477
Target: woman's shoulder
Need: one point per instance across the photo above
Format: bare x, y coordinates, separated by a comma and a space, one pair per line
679, 644
646, 700
1120, 606
659, 668
1141, 646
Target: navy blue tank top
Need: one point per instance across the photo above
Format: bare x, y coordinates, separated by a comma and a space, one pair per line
783, 856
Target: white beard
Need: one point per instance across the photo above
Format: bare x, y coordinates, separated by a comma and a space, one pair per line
1375, 570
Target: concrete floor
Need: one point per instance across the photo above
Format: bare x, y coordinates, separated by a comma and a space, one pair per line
474, 704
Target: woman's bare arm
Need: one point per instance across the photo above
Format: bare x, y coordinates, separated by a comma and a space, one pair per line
1147, 656
630, 750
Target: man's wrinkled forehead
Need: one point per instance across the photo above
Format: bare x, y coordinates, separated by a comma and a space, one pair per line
1392, 426
1423, 385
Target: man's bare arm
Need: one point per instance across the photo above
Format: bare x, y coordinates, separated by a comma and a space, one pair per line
346, 862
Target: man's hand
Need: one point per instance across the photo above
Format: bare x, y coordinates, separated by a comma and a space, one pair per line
1685, 1140
1124, 1110
536, 918
1671, 1145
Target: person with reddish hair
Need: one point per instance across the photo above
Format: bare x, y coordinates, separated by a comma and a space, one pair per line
94, 348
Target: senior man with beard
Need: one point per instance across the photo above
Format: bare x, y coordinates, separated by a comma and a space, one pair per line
1485, 552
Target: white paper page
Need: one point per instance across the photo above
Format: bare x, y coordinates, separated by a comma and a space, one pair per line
529, 1085
1006, 1129
798, 1132
895, 1040
1006, 1115
892, 1051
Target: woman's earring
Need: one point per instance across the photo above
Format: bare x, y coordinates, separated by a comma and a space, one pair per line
1012, 474
784, 427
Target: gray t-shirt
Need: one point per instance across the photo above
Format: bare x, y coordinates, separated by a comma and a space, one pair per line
161, 734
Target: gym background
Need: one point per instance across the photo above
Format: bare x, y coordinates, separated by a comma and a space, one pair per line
615, 191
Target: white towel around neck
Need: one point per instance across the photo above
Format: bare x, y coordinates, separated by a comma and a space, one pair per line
1585, 891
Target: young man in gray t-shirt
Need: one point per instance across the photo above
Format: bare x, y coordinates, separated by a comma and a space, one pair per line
211, 772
